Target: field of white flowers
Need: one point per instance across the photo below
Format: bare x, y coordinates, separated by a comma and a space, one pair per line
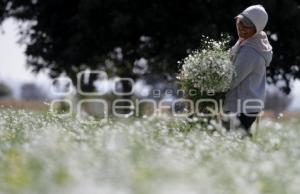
43, 153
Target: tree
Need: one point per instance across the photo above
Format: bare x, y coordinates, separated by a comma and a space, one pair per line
5, 91
111, 35
30, 91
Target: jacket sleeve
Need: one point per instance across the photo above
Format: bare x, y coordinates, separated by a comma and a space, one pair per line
244, 64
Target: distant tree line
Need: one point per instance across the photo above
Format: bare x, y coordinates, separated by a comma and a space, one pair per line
67, 36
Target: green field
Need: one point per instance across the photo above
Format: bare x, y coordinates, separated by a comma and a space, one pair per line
43, 153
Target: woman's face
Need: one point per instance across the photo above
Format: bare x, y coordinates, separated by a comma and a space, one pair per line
243, 31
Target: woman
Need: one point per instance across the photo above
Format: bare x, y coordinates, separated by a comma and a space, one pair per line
250, 55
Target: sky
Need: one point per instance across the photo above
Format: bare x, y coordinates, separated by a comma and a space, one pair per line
13, 70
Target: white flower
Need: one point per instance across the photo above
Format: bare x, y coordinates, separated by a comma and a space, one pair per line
209, 69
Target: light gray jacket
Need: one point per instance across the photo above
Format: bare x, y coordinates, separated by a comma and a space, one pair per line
248, 87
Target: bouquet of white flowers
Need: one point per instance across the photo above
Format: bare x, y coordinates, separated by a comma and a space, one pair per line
207, 72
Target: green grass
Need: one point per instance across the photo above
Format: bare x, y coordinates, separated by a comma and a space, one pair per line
43, 153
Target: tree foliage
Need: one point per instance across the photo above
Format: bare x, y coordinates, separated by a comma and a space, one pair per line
5, 91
